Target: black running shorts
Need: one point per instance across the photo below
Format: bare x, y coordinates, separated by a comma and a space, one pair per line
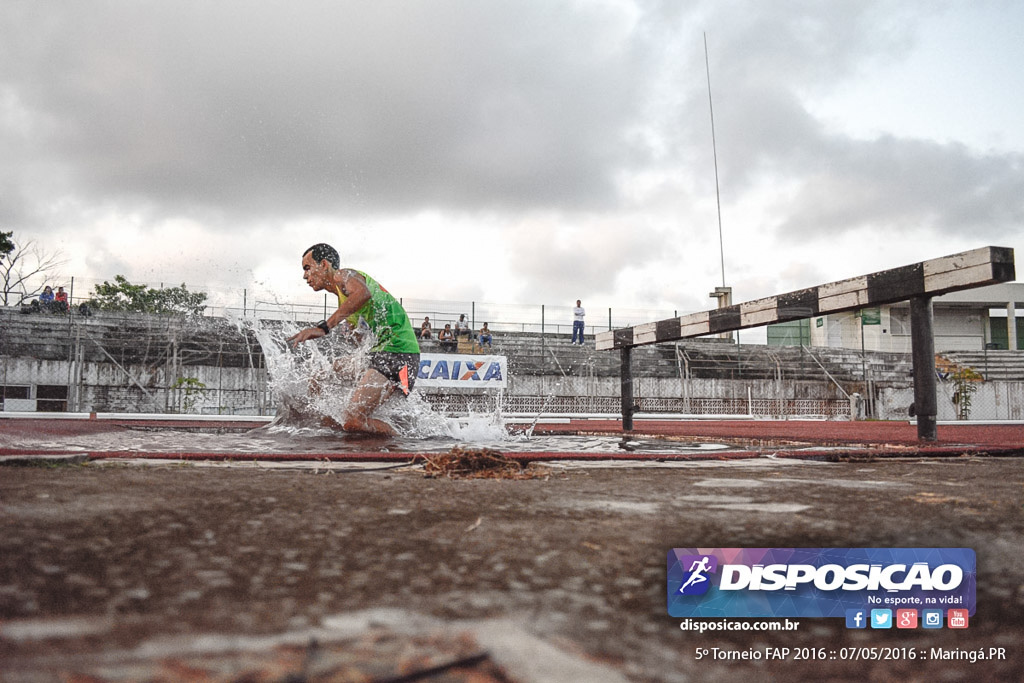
390, 365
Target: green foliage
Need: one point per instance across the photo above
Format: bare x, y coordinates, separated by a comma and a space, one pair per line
192, 391
6, 245
966, 382
124, 296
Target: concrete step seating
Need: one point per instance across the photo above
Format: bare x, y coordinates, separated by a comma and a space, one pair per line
992, 365
127, 338
530, 354
154, 339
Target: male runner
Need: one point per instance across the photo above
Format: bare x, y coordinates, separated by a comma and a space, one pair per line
394, 358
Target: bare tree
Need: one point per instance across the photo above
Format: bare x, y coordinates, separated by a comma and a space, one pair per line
24, 271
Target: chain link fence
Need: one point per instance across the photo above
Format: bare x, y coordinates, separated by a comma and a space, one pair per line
259, 303
117, 362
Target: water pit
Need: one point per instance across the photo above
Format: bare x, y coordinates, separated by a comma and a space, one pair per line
128, 435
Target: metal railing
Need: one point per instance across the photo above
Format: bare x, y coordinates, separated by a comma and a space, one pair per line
253, 303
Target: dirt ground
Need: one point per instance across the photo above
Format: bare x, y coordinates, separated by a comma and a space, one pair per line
118, 570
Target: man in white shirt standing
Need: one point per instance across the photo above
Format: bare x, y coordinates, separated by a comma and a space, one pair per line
577, 322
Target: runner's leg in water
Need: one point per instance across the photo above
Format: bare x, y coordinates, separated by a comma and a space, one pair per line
373, 390
389, 374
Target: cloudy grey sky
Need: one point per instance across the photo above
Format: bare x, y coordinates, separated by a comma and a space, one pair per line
511, 151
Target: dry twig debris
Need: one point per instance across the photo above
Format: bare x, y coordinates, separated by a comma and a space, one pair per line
477, 463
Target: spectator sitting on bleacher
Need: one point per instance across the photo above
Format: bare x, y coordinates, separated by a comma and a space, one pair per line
425, 332
46, 299
485, 336
462, 328
60, 301
447, 339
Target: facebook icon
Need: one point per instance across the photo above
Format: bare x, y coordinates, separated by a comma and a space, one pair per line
856, 618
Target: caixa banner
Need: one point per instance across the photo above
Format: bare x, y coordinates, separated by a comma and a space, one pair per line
817, 582
462, 371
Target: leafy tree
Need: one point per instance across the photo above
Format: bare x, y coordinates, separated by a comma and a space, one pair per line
966, 382
191, 391
24, 269
122, 295
6, 245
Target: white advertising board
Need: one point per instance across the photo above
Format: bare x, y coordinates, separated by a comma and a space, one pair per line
459, 371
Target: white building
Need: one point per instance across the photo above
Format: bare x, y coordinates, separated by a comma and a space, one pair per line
964, 321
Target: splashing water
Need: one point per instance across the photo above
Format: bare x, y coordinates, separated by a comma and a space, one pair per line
314, 383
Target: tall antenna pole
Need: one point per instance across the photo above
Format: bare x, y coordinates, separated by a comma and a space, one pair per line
714, 150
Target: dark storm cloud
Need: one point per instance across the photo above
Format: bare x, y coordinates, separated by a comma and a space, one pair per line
769, 62
766, 61
809, 46
286, 107
846, 184
903, 184
589, 257
232, 113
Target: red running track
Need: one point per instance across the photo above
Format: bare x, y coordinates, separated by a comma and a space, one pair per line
752, 438
821, 432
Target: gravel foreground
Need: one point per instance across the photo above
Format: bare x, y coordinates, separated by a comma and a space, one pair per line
125, 571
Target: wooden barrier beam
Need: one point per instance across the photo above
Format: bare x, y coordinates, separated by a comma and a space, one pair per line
966, 270
917, 283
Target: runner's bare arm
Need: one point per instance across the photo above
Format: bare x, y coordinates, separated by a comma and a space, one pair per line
353, 286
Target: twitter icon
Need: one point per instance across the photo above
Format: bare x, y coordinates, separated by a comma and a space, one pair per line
881, 618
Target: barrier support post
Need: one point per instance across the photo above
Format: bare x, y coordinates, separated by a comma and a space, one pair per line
626, 388
922, 351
